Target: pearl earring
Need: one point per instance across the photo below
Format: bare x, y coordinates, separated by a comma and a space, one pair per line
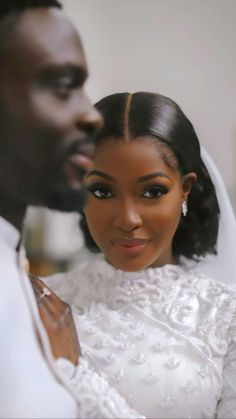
184, 208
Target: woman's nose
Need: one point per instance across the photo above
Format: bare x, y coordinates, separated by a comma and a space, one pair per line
127, 218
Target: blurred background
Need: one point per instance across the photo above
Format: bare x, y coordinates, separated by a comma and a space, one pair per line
184, 49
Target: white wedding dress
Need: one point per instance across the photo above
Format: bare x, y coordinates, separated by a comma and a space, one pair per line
165, 338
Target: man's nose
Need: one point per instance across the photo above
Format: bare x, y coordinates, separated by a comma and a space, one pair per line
88, 119
127, 217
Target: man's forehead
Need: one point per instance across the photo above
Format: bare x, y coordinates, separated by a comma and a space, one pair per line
46, 34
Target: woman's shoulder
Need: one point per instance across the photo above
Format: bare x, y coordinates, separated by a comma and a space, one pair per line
214, 296
206, 281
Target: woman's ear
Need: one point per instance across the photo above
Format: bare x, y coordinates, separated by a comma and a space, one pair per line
187, 183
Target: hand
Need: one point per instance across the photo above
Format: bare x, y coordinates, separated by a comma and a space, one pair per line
57, 319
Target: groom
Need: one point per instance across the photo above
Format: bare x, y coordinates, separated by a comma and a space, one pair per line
46, 123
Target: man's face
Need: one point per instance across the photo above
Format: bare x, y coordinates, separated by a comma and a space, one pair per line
45, 116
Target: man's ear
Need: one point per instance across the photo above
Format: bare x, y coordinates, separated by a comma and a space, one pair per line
187, 183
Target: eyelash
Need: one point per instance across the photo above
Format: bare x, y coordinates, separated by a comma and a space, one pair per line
100, 188
64, 85
154, 191
61, 85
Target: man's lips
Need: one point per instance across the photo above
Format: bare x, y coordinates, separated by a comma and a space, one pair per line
77, 165
82, 161
84, 147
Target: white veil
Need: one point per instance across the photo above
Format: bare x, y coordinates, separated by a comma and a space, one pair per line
223, 265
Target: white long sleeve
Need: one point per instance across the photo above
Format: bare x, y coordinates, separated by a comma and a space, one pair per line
227, 404
26, 378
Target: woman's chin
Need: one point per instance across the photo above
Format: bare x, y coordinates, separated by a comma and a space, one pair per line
129, 265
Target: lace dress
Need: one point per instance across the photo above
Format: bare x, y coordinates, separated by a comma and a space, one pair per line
165, 338
95, 398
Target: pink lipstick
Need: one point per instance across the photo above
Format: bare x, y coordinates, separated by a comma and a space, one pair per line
130, 246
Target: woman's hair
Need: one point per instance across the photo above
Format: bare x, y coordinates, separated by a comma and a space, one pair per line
155, 116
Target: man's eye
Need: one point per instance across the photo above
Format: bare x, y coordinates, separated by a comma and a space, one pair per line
100, 192
155, 192
63, 85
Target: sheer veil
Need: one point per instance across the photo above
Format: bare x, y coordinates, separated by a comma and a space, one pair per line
223, 265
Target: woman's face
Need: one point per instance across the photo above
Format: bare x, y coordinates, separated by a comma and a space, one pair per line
134, 203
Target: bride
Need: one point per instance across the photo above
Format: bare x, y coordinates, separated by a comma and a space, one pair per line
154, 294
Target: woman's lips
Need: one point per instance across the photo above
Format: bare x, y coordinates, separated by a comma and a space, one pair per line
130, 246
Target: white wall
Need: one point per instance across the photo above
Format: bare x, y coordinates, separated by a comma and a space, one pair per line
185, 49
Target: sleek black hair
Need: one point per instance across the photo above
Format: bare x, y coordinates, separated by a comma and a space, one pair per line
155, 116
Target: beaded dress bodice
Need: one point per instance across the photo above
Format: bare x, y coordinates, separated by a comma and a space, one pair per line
162, 336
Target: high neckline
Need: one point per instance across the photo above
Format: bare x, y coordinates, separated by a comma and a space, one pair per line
146, 271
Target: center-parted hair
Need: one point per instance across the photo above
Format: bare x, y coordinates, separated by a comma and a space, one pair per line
130, 117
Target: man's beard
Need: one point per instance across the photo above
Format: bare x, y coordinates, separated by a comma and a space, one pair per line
66, 199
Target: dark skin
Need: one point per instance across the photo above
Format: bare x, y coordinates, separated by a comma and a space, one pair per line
44, 111
57, 318
138, 199
45, 116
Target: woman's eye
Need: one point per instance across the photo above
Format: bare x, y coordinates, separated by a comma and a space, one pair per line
155, 192
100, 192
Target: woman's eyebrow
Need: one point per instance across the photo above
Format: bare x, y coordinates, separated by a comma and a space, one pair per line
151, 176
139, 180
100, 174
